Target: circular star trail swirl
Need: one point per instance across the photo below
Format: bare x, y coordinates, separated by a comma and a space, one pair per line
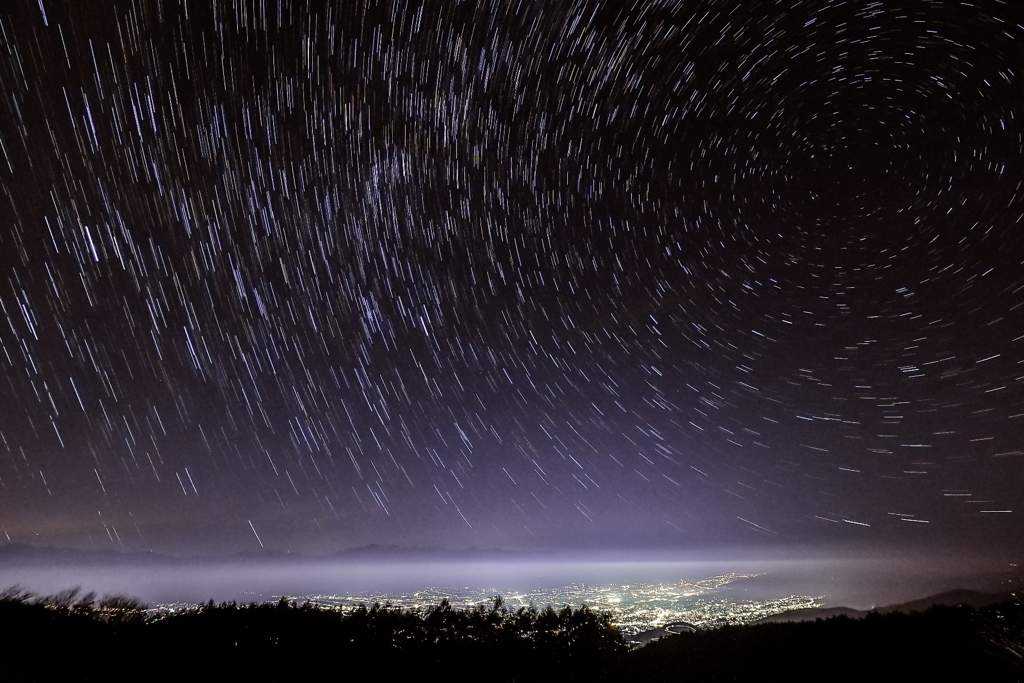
510, 273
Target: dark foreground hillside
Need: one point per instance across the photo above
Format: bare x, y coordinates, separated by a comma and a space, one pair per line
941, 644
72, 639
65, 637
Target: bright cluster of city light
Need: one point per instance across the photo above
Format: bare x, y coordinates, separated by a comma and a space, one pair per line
635, 607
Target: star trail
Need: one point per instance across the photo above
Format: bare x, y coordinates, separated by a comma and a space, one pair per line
309, 275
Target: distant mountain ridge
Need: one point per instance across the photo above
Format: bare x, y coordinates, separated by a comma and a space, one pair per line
24, 554
399, 552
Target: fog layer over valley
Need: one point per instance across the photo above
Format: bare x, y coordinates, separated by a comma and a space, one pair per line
859, 582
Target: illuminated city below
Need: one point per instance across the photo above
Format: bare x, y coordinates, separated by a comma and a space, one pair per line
635, 607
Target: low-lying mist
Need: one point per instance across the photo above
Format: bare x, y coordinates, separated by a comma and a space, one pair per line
854, 582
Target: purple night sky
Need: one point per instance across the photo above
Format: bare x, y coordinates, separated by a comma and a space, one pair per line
521, 275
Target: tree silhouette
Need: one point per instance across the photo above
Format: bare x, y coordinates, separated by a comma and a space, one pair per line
487, 642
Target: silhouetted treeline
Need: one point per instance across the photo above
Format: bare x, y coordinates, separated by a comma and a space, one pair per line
70, 636
66, 639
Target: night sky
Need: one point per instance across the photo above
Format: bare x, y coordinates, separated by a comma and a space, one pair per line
518, 275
